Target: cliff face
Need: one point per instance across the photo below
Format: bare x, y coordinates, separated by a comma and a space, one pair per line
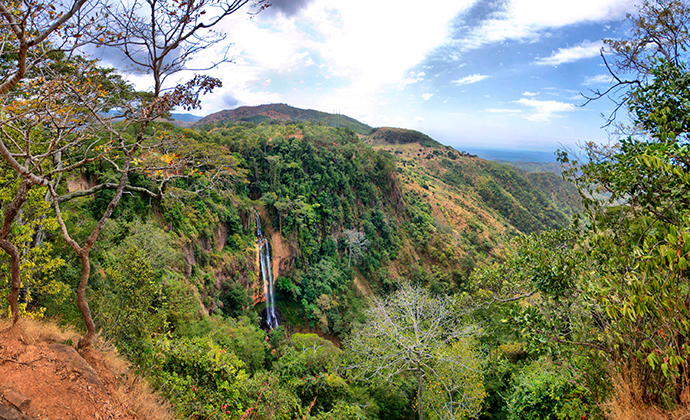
422, 211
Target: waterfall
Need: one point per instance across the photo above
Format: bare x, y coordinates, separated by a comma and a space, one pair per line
266, 274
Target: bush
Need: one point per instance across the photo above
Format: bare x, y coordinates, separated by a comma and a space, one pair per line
544, 391
201, 379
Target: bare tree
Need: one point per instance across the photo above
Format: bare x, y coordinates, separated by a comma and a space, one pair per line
411, 331
357, 244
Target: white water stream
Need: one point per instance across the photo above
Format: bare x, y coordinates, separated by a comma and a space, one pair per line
266, 274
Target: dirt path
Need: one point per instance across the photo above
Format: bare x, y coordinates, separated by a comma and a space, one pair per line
48, 379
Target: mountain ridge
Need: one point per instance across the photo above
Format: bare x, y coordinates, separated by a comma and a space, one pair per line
282, 112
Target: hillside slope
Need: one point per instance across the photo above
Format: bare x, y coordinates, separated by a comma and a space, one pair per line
43, 377
425, 211
280, 112
177, 282
525, 202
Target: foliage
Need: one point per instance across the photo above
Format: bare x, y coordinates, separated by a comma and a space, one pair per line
39, 263
639, 243
201, 379
129, 309
544, 391
456, 389
269, 398
411, 331
400, 136
243, 338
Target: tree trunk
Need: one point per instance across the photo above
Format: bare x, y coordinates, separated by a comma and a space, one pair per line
82, 304
12, 251
11, 214
420, 410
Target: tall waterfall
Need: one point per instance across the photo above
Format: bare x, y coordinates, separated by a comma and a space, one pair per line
266, 274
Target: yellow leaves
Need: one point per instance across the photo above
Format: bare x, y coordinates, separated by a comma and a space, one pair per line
169, 158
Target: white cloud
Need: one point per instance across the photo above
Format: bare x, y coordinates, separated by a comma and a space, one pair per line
561, 13
524, 20
470, 79
544, 110
427, 96
528, 93
379, 41
357, 46
600, 79
411, 79
504, 111
568, 55
420, 119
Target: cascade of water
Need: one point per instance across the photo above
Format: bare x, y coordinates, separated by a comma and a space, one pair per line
266, 274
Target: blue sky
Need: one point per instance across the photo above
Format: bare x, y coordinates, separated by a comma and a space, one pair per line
490, 74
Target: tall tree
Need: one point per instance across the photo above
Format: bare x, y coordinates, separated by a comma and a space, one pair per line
34, 32
412, 331
46, 117
630, 291
158, 38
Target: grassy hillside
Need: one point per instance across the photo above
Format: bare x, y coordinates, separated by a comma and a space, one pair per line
513, 199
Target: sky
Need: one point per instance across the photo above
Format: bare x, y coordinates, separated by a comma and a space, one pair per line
496, 74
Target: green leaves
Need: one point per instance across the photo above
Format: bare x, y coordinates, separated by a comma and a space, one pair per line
201, 379
412, 331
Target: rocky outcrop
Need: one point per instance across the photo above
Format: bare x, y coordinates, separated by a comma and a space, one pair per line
8, 412
41, 380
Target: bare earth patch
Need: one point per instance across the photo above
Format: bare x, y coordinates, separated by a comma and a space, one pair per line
43, 377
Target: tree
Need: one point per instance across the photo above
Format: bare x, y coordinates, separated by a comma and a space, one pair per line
162, 47
159, 42
37, 29
411, 331
47, 118
35, 32
659, 31
22, 235
637, 237
357, 244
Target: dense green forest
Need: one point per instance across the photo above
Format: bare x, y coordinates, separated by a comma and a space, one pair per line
411, 280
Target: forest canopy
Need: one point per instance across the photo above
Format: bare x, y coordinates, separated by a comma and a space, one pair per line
411, 280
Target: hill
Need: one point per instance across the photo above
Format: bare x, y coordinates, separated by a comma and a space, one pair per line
526, 202
280, 112
399, 136
180, 281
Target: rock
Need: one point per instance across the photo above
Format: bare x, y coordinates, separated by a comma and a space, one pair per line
75, 363
17, 399
95, 360
11, 413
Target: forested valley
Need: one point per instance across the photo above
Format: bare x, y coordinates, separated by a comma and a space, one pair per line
277, 263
